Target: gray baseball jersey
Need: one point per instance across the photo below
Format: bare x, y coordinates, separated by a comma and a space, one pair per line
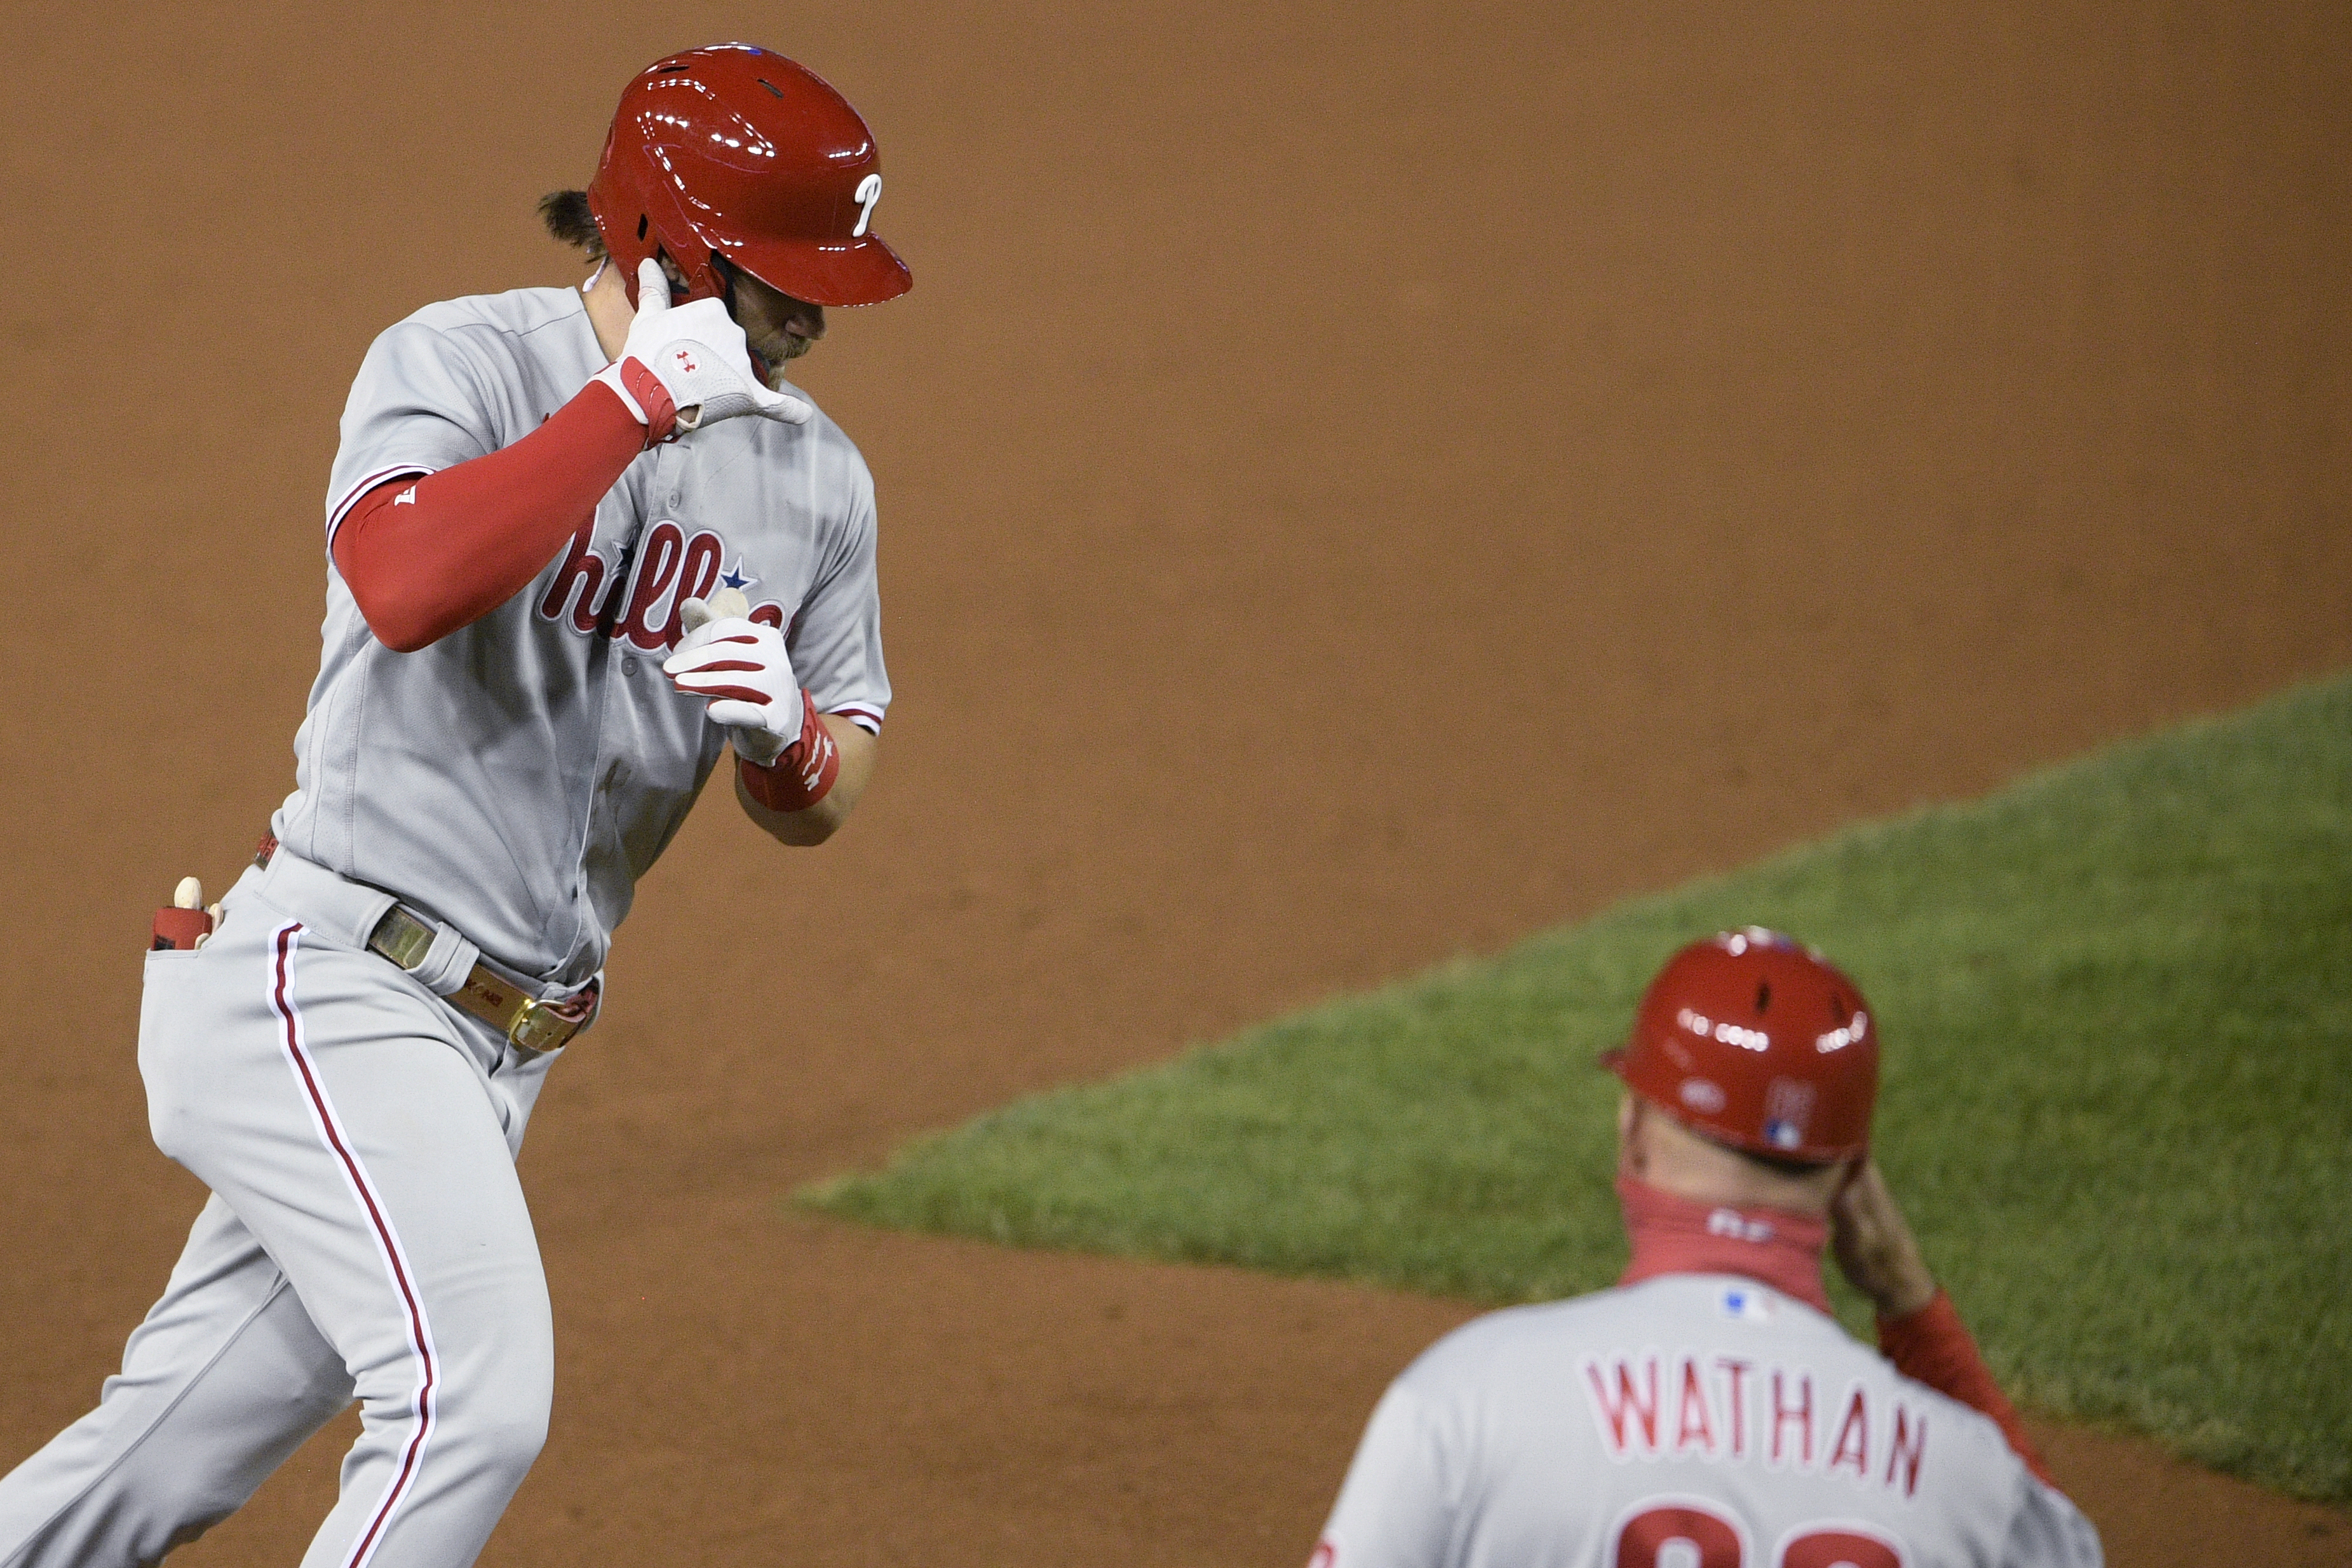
1693, 1420
367, 1238
517, 776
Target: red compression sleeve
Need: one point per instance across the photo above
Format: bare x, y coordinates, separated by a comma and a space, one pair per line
425, 556
802, 776
1935, 1347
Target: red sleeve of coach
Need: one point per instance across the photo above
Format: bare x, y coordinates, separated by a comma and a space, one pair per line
1934, 1346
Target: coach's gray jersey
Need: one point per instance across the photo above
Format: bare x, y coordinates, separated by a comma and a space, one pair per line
517, 777
1699, 1421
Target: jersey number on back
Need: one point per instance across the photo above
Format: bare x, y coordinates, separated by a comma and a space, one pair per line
1689, 1533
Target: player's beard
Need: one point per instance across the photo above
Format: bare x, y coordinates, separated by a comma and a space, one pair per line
778, 351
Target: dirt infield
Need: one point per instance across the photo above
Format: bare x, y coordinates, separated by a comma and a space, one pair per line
1357, 485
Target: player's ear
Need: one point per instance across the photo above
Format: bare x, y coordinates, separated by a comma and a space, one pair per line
1631, 1156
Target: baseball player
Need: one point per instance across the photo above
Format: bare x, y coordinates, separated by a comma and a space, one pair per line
580, 542
1709, 1411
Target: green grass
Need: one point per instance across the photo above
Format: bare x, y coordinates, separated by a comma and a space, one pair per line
2118, 1095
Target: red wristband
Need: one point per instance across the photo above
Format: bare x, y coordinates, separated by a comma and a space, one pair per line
804, 774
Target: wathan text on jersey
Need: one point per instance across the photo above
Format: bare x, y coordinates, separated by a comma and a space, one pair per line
1654, 1404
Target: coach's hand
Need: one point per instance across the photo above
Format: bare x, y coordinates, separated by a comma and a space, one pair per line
742, 668
1876, 1249
685, 368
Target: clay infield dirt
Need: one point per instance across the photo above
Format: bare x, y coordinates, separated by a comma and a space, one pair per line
1359, 484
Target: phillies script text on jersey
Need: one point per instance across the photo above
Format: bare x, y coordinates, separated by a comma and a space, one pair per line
642, 605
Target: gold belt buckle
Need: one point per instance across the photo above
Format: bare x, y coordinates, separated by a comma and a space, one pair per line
544, 1025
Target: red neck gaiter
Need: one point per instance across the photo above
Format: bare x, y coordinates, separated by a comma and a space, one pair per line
1674, 1234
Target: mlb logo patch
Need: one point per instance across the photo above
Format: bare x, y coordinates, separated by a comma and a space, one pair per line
1787, 1106
1746, 1303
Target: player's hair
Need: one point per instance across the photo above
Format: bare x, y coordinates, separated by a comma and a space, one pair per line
567, 217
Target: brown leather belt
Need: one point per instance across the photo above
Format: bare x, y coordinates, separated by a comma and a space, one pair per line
530, 1023
402, 937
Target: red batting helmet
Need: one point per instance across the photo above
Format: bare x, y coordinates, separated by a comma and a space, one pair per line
731, 156
1751, 1039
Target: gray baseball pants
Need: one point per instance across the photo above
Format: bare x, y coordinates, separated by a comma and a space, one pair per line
366, 1238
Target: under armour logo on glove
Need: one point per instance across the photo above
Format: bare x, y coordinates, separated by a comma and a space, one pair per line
685, 363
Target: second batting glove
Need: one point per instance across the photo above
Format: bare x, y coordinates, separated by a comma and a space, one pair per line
742, 668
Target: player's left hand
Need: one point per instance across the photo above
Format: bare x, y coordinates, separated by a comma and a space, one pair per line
741, 666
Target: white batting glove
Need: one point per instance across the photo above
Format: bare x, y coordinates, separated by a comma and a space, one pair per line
742, 668
685, 368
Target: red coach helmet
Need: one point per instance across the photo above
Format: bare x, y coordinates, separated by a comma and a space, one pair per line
732, 155
1753, 1040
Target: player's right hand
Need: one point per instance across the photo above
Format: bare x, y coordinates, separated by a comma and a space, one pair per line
743, 669
685, 368
1874, 1249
